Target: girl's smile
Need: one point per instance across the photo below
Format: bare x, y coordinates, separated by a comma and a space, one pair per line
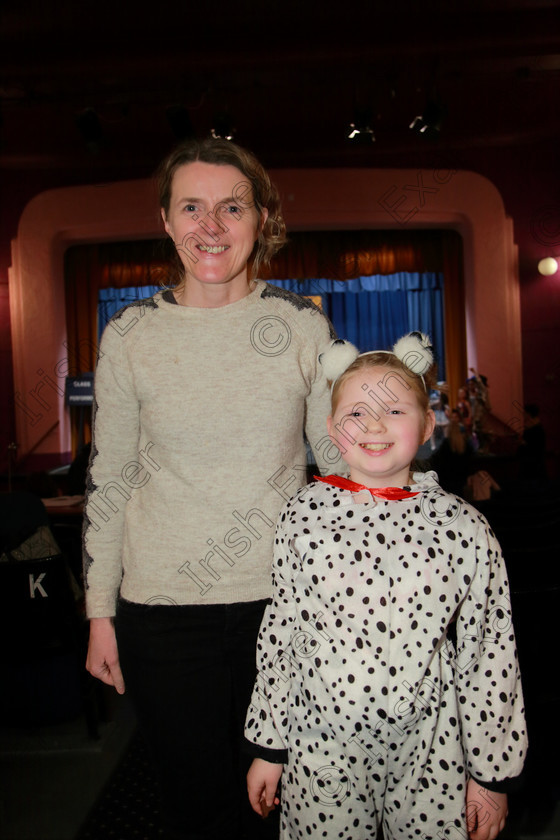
375, 447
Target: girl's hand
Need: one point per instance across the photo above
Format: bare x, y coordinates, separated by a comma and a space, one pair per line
262, 784
486, 812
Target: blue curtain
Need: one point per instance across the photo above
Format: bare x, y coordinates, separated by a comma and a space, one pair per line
109, 301
371, 312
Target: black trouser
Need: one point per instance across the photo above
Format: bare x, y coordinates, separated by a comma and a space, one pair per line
189, 671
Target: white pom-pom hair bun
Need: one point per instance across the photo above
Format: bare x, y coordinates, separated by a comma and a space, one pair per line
337, 358
415, 352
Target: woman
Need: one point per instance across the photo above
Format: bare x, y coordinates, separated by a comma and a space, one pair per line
203, 394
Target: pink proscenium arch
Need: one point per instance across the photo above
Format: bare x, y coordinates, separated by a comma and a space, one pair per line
313, 200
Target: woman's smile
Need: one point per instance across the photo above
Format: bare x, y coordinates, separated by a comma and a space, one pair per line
212, 249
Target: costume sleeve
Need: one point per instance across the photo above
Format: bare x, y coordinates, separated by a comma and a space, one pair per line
487, 671
266, 724
114, 449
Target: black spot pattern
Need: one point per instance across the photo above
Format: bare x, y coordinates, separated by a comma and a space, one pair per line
382, 716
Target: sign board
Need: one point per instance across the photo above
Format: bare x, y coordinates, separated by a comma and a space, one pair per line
79, 389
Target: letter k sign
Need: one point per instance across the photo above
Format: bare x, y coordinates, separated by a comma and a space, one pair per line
35, 586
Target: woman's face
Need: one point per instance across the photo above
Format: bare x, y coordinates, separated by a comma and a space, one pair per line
214, 225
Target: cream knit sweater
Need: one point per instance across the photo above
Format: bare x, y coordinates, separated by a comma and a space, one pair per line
198, 442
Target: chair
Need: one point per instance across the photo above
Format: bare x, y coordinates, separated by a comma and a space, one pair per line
42, 629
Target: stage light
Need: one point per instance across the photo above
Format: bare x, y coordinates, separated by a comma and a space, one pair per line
360, 131
223, 127
429, 122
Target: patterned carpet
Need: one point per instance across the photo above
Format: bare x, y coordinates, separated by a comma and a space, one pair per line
128, 808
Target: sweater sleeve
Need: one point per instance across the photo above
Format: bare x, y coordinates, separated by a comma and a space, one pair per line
307, 324
318, 404
487, 672
114, 450
266, 725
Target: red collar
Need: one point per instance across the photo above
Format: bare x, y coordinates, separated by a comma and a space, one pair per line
388, 493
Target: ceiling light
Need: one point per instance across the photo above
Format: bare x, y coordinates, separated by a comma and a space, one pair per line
548, 266
429, 122
223, 127
360, 131
363, 132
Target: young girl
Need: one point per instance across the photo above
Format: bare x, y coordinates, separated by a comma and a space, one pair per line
388, 691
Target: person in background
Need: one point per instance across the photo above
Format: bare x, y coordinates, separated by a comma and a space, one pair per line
452, 461
203, 396
464, 408
479, 398
439, 403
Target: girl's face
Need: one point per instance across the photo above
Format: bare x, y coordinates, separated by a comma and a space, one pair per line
214, 224
378, 425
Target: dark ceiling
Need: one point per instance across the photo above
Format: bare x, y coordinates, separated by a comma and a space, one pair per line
105, 90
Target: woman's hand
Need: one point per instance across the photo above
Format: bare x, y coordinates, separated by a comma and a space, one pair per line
486, 812
103, 656
262, 784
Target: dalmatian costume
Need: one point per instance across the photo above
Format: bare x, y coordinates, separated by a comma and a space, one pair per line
387, 665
